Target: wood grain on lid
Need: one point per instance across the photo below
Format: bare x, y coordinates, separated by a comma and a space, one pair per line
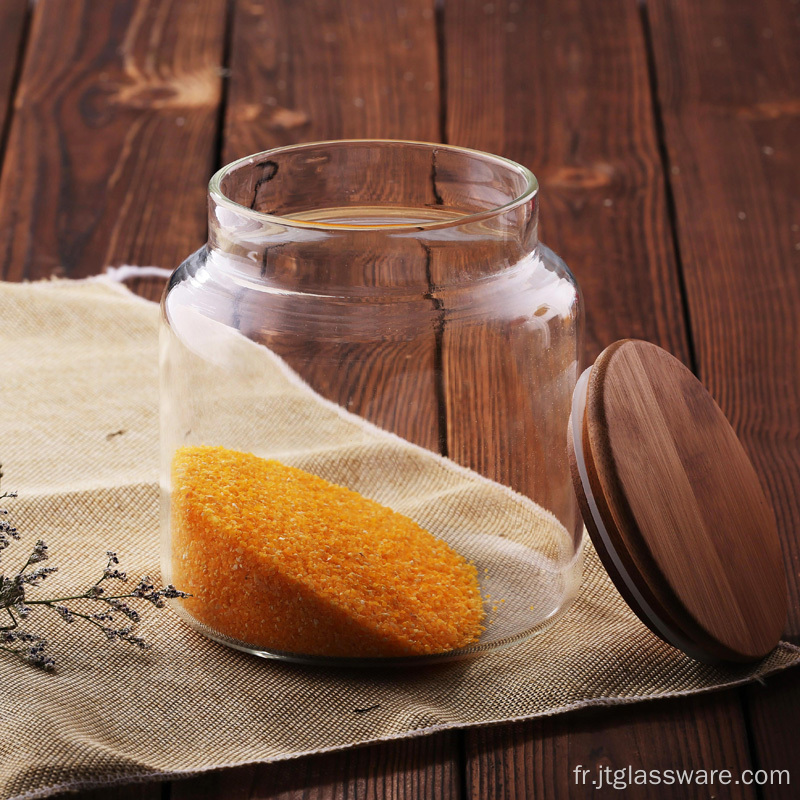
682, 504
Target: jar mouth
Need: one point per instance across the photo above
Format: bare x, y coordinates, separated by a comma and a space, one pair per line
526, 190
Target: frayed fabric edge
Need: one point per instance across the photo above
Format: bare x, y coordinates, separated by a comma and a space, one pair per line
127, 272
115, 277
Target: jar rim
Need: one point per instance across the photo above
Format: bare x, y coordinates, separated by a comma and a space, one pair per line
221, 199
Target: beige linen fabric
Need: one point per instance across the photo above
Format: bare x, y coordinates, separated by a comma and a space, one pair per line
79, 442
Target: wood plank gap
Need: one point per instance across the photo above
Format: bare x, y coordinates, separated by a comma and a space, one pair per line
438, 366
225, 75
462, 764
750, 737
666, 166
441, 392
7, 113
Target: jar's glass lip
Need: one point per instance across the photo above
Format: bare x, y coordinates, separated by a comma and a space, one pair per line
221, 199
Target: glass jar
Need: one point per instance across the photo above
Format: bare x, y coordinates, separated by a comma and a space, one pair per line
360, 307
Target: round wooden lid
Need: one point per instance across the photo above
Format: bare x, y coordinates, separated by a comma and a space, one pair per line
674, 506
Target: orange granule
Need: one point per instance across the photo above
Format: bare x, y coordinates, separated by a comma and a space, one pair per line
284, 560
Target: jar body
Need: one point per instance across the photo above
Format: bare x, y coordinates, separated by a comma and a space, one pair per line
326, 317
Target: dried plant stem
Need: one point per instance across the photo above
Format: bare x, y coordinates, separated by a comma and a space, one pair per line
14, 600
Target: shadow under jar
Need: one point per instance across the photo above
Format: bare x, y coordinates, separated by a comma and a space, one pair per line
361, 306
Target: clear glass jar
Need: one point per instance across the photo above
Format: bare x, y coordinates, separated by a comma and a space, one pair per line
351, 291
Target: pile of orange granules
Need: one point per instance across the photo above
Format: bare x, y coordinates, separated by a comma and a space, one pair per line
284, 560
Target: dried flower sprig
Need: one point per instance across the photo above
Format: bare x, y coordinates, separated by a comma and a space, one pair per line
105, 594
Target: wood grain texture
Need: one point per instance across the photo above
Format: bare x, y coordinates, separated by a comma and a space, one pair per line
402, 770
319, 70
534, 761
563, 88
731, 125
312, 70
729, 90
13, 24
682, 506
114, 135
774, 711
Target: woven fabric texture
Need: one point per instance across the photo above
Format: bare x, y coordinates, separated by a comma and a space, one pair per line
79, 442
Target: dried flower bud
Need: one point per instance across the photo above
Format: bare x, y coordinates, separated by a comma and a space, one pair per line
170, 592
29, 647
124, 608
39, 553
37, 576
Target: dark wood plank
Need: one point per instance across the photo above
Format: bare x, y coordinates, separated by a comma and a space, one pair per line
403, 770
729, 85
305, 70
113, 140
563, 88
312, 70
361, 70
524, 761
13, 25
774, 711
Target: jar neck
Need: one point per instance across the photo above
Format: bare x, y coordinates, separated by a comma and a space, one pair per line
351, 218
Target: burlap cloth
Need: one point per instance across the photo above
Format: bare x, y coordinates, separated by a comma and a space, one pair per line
79, 442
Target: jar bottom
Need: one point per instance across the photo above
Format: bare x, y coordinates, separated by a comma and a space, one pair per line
568, 579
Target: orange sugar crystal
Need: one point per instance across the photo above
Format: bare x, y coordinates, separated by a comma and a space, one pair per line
284, 560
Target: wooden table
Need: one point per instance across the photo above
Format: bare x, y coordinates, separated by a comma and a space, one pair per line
664, 136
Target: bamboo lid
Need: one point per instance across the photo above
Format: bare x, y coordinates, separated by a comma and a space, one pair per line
674, 506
